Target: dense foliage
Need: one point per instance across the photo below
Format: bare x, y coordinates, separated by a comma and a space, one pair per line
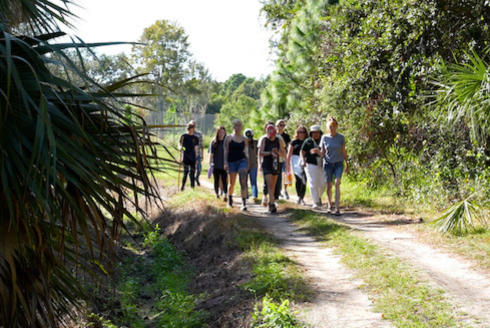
373, 65
71, 163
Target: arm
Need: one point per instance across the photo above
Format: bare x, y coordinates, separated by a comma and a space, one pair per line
303, 159
226, 144
181, 142
290, 153
247, 155
283, 154
211, 153
345, 158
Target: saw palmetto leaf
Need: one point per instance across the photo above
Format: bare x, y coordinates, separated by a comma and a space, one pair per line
71, 161
460, 218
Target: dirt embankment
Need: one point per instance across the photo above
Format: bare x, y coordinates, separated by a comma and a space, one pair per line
207, 238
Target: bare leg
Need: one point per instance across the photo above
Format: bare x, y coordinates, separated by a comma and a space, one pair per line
243, 182
231, 188
329, 194
337, 194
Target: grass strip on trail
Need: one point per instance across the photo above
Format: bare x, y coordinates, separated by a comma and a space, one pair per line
404, 299
275, 278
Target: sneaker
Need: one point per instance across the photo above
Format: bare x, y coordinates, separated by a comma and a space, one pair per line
197, 181
299, 201
264, 201
315, 206
303, 202
273, 208
182, 188
285, 195
243, 208
230, 202
217, 196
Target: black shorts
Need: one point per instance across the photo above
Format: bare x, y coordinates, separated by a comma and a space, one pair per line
268, 169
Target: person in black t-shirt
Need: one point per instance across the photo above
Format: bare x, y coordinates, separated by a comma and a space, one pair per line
217, 161
294, 158
271, 149
188, 147
311, 158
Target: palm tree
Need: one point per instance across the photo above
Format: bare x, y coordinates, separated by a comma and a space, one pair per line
463, 94
70, 163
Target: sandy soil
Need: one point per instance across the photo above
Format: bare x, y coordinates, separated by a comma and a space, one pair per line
339, 301
467, 289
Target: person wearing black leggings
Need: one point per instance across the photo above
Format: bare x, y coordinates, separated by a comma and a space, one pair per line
217, 161
294, 158
188, 147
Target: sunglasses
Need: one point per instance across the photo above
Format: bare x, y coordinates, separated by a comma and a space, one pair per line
281, 125
302, 132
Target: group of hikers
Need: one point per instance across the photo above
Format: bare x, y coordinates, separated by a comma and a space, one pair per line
311, 156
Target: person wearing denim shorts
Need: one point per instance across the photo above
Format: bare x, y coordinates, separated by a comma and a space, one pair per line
333, 151
236, 162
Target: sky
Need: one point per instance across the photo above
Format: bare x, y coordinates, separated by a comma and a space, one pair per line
227, 36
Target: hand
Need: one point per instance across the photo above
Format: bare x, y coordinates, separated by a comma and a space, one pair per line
303, 164
225, 167
314, 151
347, 170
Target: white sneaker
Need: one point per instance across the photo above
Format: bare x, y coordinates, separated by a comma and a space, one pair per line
303, 202
315, 206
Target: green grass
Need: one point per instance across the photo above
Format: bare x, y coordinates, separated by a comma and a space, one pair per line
274, 274
274, 315
397, 292
166, 281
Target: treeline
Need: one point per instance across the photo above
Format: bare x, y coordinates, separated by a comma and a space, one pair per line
406, 79
177, 83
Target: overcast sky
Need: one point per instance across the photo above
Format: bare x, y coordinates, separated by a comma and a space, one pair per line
227, 36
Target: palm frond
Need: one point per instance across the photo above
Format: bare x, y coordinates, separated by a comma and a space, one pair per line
460, 218
463, 92
70, 163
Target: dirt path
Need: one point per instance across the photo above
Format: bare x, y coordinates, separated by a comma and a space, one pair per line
339, 301
467, 289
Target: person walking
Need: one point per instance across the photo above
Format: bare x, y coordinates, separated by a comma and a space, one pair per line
281, 179
271, 148
311, 160
236, 162
252, 163
333, 150
199, 153
188, 146
217, 161
294, 158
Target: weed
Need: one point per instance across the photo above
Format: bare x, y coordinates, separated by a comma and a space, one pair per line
274, 315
